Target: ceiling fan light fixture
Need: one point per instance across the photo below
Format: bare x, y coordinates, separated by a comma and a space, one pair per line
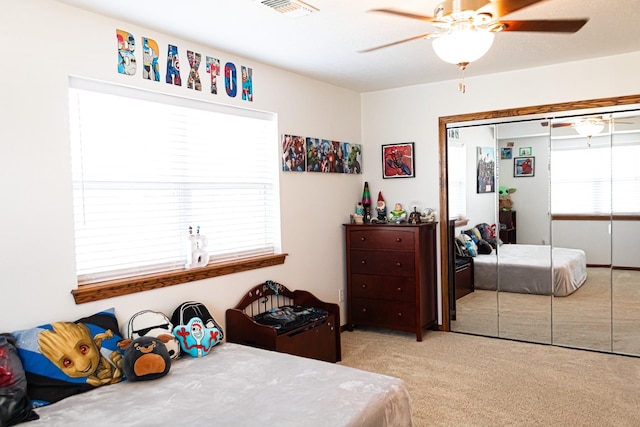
589, 128
463, 46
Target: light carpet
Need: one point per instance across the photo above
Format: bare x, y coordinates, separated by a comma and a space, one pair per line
464, 380
598, 316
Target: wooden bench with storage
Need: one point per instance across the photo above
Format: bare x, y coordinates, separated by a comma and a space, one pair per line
317, 338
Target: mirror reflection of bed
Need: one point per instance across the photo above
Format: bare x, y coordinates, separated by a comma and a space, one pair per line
571, 279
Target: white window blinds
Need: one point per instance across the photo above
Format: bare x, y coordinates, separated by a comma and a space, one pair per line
457, 167
598, 177
148, 166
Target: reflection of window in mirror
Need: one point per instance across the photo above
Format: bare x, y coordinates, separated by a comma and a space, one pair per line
585, 175
457, 179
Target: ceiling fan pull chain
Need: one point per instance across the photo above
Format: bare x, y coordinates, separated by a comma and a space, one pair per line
461, 86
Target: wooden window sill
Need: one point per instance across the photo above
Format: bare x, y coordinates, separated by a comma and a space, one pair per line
130, 285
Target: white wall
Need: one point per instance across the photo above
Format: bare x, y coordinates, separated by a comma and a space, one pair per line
481, 207
43, 43
531, 198
411, 113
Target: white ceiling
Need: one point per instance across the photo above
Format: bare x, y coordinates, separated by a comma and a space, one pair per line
325, 45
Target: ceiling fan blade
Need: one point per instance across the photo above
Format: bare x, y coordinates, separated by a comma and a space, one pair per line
545, 25
556, 125
500, 8
421, 36
406, 14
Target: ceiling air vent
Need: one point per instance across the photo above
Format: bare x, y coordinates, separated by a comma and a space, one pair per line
291, 8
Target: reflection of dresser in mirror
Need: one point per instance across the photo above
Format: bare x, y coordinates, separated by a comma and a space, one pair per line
508, 226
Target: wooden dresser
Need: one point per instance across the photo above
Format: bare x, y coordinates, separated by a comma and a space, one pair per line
391, 276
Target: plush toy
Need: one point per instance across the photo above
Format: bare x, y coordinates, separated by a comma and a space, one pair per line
504, 199
145, 358
153, 324
196, 338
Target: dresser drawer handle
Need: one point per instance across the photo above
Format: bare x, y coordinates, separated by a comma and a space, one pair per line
399, 289
364, 310
400, 314
398, 239
364, 286
398, 264
363, 239
364, 261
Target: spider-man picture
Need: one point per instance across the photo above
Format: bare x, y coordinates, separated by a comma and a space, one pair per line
398, 160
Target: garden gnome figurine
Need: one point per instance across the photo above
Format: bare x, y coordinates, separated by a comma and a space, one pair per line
381, 207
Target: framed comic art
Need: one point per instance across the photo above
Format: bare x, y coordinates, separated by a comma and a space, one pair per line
398, 160
524, 166
294, 155
485, 170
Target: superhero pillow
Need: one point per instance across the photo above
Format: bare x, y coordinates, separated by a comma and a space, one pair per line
195, 338
15, 406
66, 358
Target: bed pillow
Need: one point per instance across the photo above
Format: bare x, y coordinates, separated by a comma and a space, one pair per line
484, 248
15, 406
66, 358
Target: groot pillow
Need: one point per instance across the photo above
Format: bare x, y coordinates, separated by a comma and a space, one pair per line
66, 358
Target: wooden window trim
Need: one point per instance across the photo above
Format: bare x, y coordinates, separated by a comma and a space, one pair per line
113, 288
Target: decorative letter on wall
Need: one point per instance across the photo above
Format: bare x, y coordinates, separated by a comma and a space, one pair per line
126, 58
194, 76
213, 68
150, 54
247, 85
230, 82
173, 66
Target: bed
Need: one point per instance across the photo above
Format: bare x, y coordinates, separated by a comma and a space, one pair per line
237, 385
525, 269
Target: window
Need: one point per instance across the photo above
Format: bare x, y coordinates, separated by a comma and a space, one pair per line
457, 179
148, 166
599, 177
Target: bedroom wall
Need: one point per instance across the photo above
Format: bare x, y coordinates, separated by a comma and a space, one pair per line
481, 207
43, 43
411, 113
531, 198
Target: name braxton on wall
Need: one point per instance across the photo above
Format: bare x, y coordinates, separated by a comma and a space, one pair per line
127, 65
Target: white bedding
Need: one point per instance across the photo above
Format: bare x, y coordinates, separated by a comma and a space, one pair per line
525, 269
237, 385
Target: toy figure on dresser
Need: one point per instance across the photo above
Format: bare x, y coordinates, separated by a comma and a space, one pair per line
397, 215
414, 217
381, 208
428, 215
504, 199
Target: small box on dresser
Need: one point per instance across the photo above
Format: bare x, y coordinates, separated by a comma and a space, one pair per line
391, 276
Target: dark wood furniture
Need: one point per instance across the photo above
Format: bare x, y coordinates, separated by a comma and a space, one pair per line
317, 340
461, 273
508, 226
391, 276
464, 276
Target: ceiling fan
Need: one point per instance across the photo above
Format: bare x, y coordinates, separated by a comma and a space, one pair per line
464, 29
585, 126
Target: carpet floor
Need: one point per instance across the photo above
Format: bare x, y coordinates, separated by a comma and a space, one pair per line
456, 379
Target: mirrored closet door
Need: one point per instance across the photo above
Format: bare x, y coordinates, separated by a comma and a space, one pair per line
564, 269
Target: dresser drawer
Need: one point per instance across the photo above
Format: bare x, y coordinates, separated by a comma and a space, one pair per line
387, 263
378, 287
389, 238
385, 314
